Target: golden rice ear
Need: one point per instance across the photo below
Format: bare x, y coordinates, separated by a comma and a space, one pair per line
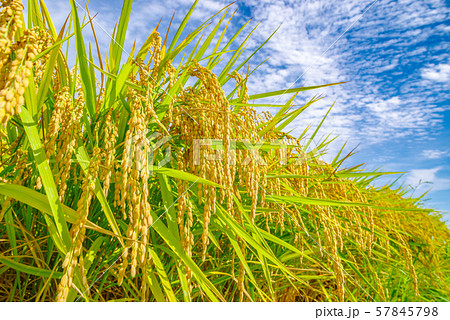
71, 120
110, 134
15, 63
20, 176
264, 224
63, 103
74, 257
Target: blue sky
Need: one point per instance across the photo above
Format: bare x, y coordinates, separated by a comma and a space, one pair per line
395, 56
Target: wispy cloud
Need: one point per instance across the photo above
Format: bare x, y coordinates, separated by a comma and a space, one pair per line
383, 57
424, 179
435, 154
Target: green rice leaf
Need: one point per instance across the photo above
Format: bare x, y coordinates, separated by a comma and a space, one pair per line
46, 176
154, 286
183, 176
175, 246
86, 81
163, 276
29, 269
287, 91
119, 41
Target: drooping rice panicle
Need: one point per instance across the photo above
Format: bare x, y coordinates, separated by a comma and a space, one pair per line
242, 210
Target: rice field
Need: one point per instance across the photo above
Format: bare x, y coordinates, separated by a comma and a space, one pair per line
143, 178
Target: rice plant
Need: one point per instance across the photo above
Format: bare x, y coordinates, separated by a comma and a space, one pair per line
143, 178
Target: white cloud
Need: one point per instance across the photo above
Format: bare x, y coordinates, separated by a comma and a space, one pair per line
439, 73
382, 57
425, 179
434, 154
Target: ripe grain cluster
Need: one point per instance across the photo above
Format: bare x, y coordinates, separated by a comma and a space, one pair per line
240, 210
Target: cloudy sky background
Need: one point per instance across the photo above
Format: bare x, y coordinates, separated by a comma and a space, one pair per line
394, 55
